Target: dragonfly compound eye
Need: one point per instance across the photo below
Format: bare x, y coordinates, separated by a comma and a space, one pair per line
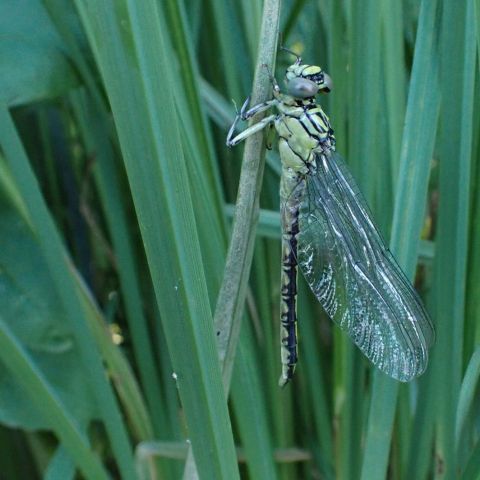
301, 88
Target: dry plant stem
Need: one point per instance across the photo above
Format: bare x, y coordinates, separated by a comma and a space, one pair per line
231, 299
147, 451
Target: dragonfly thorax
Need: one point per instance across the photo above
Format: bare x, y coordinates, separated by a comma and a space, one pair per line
304, 130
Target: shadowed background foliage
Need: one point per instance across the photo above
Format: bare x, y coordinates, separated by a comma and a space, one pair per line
127, 350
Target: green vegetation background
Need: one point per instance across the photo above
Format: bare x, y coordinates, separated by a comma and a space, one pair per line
116, 213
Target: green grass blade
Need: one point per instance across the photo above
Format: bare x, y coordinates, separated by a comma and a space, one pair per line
417, 150
423, 424
32, 61
472, 471
123, 378
59, 265
395, 79
16, 359
96, 139
90, 111
250, 407
236, 73
60, 466
364, 78
364, 92
467, 396
252, 19
472, 306
316, 386
147, 126
458, 48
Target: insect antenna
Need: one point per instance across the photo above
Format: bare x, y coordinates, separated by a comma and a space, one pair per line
299, 59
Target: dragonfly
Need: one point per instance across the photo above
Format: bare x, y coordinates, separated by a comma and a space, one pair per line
328, 232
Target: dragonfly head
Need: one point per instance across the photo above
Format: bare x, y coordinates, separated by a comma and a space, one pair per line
305, 81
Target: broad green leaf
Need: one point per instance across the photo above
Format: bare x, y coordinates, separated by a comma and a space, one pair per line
30, 306
33, 61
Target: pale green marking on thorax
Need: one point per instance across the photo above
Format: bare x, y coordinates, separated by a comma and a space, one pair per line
297, 142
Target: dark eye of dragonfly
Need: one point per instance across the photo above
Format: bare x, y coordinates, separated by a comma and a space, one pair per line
302, 88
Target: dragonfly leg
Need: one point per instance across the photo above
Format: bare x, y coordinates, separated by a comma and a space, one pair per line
261, 107
247, 132
273, 81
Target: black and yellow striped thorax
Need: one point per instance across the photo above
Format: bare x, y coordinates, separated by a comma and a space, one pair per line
303, 128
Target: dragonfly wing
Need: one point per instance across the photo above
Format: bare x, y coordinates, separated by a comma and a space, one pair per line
354, 276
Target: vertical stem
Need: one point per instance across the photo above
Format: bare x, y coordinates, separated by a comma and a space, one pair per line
231, 299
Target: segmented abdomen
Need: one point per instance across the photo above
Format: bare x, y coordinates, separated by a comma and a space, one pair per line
288, 307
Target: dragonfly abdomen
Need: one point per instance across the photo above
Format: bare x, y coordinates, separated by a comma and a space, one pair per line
288, 302
288, 307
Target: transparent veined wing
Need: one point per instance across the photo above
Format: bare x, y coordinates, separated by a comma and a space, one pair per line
354, 276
